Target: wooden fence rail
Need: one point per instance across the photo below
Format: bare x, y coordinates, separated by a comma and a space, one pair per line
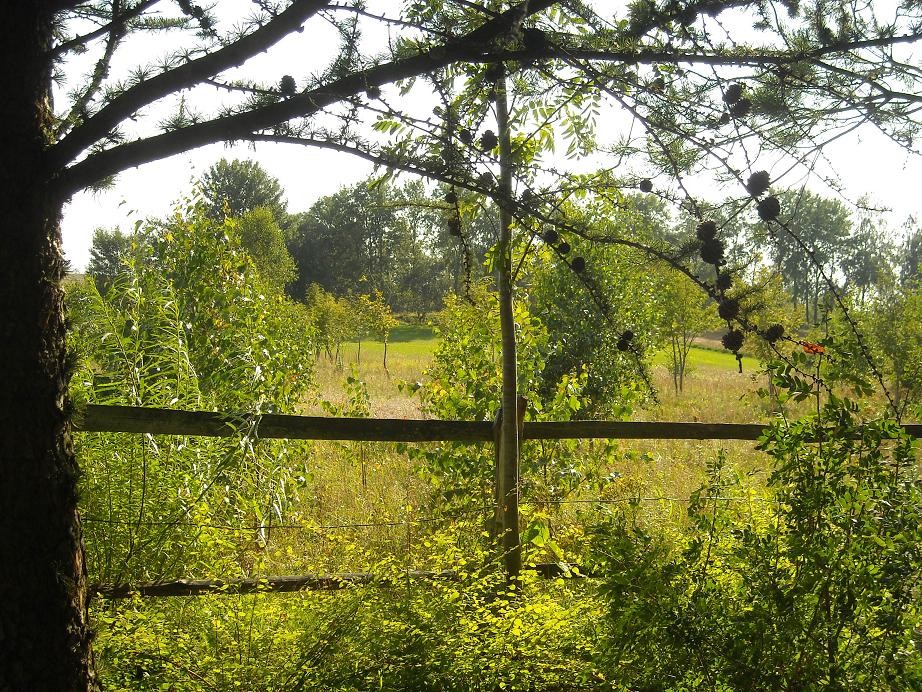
131, 419
158, 421
305, 582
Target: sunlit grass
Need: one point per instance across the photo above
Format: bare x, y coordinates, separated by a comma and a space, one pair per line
699, 357
366, 483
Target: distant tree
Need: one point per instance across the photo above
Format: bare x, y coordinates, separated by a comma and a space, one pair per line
910, 254
264, 241
867, 256
332, 320
895, 325
355, 240
423, 286
107, 256
687, 312
376, 319
812, 245
232, 188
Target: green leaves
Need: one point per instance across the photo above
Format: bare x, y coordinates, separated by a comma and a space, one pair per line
188, 323
812, 582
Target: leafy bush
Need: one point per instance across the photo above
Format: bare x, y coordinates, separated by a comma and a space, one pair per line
465, 383
586, 313
187, 324
813, 584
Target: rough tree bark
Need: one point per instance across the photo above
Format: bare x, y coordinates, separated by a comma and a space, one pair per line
44, 630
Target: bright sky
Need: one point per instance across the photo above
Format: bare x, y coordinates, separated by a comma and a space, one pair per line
866, 164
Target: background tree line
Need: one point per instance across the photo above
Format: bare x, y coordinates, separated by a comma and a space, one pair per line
378, 248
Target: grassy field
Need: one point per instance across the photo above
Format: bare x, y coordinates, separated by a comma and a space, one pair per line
364, 483
714, 389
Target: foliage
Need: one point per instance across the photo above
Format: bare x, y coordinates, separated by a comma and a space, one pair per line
814, 585
219, 291
442, 634
108, 252
910, 254
687, 312
374, 318
464, 383
658, 64
332, 319
233, 188
584, 323
893, 326
767, 303
357, 241
812, 245
187, 324
868, 255
263, 239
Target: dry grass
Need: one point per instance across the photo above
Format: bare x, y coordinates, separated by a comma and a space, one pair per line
406, 362
354, 484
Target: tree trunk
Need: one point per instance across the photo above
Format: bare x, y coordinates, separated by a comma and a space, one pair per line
44, 628
509, 432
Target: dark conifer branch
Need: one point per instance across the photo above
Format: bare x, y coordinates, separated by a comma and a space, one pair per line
118, 21
239, 126
186, 75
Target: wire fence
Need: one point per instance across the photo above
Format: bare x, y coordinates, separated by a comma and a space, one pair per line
125, 419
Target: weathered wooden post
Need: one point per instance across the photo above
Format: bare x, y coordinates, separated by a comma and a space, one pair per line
508, 455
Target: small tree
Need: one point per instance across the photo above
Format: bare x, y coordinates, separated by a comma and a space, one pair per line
380, 318
372, 318
264, 241
232, 188
107, 256
687, 312
332, 320
894, 321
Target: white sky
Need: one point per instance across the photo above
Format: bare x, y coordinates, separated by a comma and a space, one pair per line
865, 163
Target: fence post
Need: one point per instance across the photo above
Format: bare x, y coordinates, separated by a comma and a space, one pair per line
505, 286
505, 528
497, 524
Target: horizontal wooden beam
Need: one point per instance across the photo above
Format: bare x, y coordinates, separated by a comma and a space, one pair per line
158, 421
305, 582
640, 430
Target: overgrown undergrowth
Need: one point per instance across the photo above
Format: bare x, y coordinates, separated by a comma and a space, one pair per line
714, 566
